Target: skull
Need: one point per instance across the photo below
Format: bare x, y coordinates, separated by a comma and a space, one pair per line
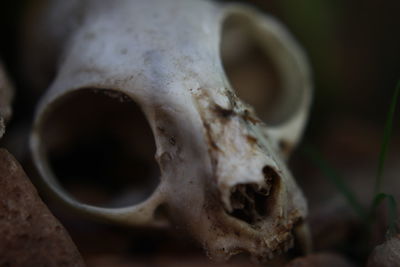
223, 178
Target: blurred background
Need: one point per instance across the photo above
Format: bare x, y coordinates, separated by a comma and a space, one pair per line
354, 49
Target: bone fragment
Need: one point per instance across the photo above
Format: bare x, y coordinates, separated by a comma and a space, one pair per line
6, 95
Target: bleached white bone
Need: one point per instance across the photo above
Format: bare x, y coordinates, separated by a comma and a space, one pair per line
223, 179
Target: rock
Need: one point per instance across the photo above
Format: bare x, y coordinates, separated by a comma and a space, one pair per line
29, 234
320, 260
387, 254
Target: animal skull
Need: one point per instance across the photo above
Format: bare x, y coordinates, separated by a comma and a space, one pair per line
223, 175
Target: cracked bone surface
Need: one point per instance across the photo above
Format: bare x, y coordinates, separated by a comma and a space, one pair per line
6, 95
222, 171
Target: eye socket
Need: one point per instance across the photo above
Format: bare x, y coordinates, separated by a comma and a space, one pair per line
252, 69
101, 148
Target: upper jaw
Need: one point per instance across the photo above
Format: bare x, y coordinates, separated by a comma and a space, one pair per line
255, 203
225, 235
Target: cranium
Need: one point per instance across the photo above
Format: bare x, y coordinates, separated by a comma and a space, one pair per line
223, 176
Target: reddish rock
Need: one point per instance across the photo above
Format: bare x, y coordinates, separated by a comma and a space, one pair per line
29, 233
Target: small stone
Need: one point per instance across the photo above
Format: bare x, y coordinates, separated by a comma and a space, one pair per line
29, 234
387, 254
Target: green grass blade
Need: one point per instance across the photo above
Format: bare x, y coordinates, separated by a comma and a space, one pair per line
386, 138
392, 211
337, 180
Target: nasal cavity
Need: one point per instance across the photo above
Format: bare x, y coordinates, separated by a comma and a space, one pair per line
252, 202
100, 147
